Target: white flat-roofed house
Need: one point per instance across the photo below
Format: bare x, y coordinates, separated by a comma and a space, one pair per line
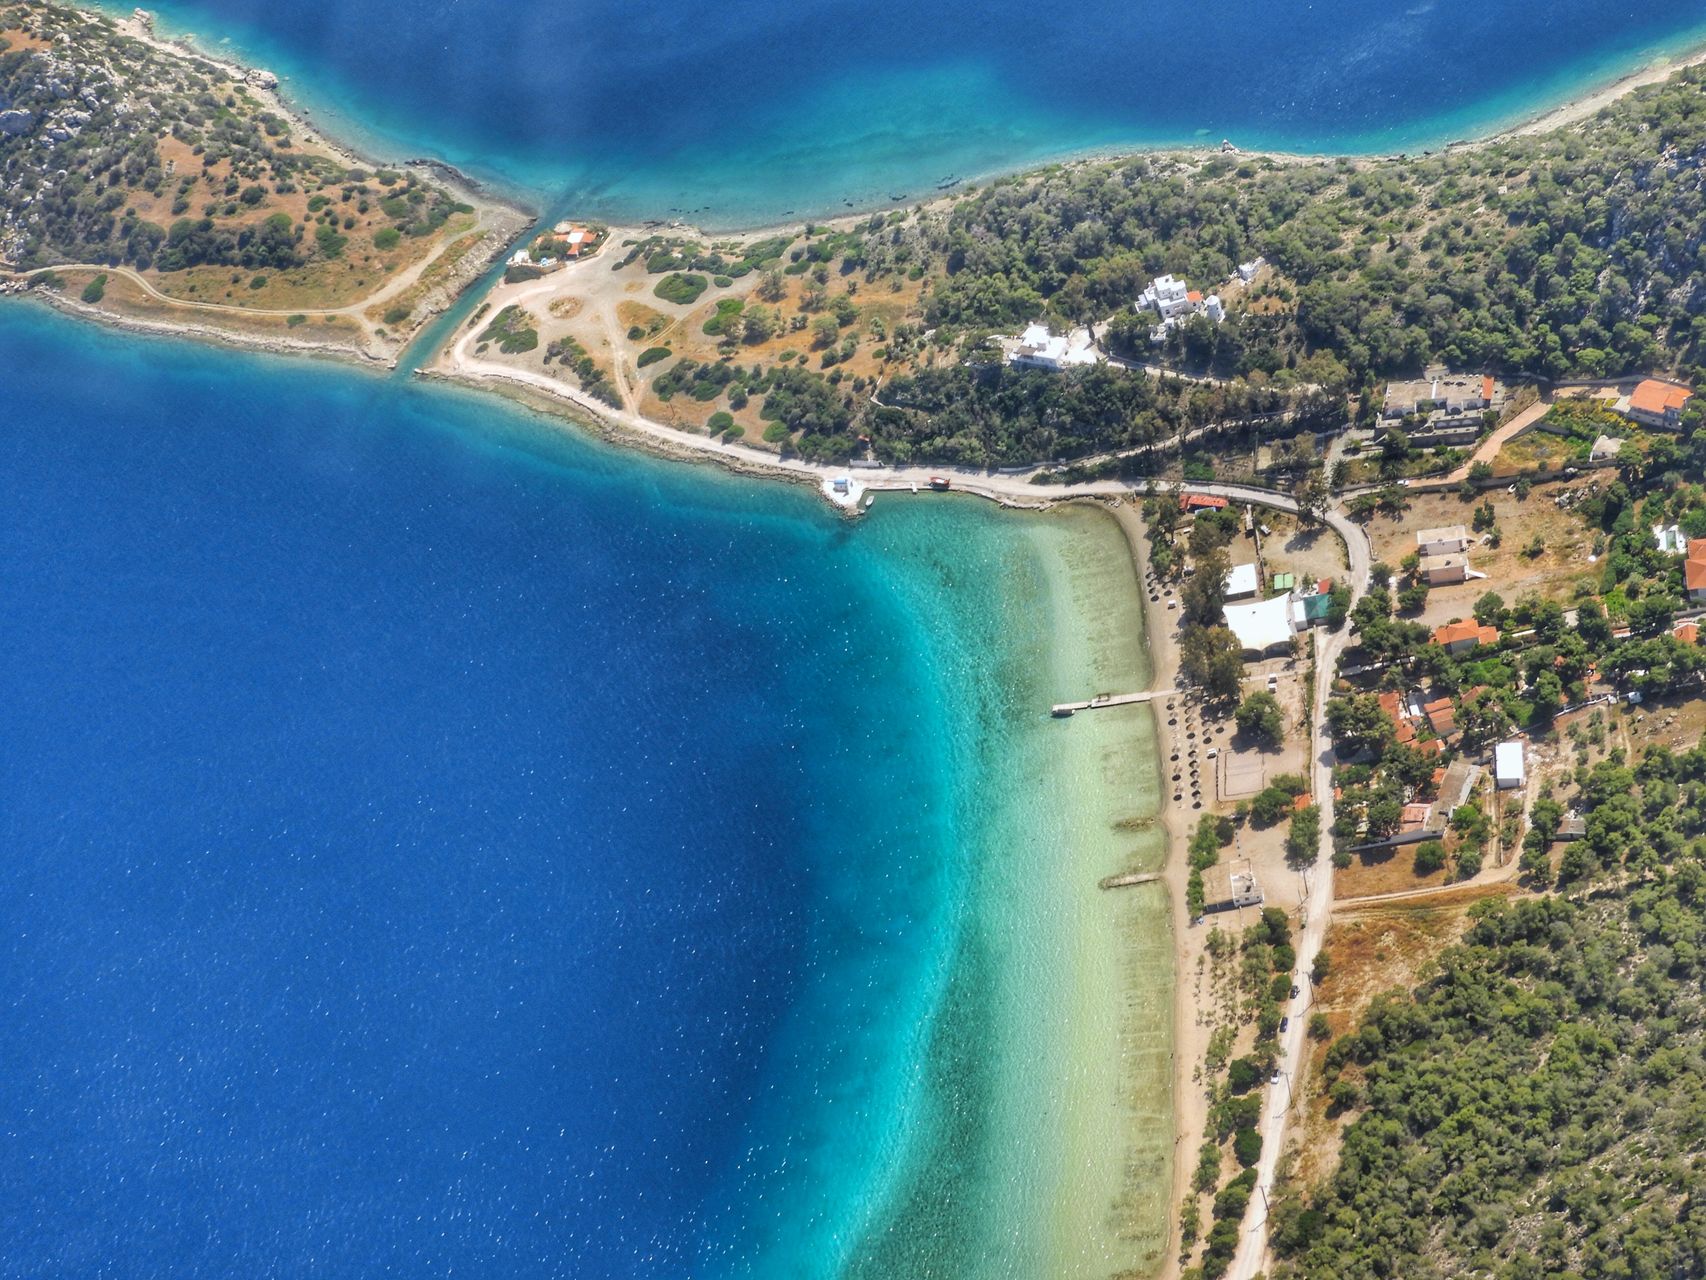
1266, 626
1242, 582
1445, 540
1508, 764
1669, 539
1442, 571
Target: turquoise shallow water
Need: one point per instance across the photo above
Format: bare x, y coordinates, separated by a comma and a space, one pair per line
757, 109
438, 846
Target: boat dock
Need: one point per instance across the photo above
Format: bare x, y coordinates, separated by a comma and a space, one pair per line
1060, 710
1121, 882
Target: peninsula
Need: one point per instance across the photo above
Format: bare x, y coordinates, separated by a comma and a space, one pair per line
151, 185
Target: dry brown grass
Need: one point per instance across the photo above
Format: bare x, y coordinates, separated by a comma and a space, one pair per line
1372, 950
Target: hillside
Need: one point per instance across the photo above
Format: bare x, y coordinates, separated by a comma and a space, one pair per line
188, 178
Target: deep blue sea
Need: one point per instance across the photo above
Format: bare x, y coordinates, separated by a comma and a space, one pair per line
741, 112
431, 846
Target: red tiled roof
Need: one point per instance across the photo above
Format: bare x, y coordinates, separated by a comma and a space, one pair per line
1300, 802
1653, 396
1441, 715
1694, 569
1487, 387
1392, 703
1195, 501
1193, 295
1453, 632
1688, 632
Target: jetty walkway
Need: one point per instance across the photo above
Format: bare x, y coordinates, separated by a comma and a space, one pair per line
1136, 877
1063, 709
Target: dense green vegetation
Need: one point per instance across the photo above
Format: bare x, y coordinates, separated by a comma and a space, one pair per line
1571, 253
1537, 1107
1565, 253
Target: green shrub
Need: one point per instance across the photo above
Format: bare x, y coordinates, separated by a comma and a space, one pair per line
1247, 1146
635, 333
96, 289
511, 330
1430, 857
720, 422
397, 314
293, 321
681, 288
331, 244
257, 282
386, 238
722, 282
651, 355
776, 433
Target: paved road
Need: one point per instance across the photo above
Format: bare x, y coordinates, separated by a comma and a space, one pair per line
1317, 909
1490, 447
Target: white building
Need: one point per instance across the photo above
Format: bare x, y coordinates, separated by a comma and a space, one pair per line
1266, 625
1247, 270
1443, 570
1446, 540
1669, 539
1213, 309
1037, 348
1242, 582
1168, 296
1507, 764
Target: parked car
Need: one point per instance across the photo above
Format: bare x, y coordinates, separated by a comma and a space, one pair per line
1284, 1023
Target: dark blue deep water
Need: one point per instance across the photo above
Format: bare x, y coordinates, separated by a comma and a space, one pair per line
427, 846
742, 111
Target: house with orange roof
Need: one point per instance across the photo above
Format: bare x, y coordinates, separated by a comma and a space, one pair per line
1658, 404
1694, 569
1393, 704
1688, 632
1201, 502
1461, 637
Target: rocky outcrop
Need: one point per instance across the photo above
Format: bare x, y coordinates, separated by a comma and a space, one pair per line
15, 122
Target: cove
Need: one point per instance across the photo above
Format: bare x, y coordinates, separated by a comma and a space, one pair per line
441, 845
761, 109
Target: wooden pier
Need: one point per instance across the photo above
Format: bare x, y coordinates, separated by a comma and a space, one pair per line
1137, 877
1060, 710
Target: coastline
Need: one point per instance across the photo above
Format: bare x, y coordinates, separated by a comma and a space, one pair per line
509, 218
1190, 1035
